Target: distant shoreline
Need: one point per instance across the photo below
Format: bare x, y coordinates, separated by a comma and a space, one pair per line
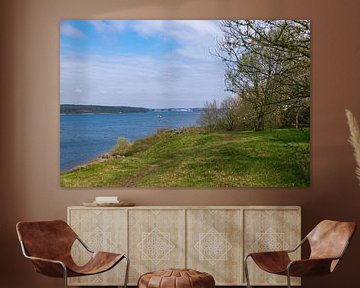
91, 113
98, 109
74, 109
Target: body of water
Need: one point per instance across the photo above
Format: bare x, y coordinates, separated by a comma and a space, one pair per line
84, 137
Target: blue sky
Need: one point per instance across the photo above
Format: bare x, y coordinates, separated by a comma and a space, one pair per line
147, 63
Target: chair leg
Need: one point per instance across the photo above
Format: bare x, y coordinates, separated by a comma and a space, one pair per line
65, 276
288, 278
246, 270
127, 271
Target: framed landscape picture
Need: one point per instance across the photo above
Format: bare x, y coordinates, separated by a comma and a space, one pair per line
185, 103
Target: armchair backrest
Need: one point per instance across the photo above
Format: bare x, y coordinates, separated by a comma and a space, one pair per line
46, 239
329, 239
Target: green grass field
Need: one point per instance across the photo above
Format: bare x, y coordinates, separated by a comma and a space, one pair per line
270, 158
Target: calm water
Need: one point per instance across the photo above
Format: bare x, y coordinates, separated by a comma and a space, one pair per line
87, 136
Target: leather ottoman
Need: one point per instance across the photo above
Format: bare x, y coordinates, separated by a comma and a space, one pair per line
176, 278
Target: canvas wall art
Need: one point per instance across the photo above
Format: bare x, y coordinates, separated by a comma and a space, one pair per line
185, 103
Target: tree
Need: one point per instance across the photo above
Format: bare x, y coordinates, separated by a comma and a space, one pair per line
252, 79
229, 109
210, 116
233, 113
267, 64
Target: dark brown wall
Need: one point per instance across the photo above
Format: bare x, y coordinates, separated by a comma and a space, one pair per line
29, 119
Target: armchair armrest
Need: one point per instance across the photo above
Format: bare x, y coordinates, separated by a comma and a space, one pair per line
83, 244
298, 246
49, 267
280, 252
314, 266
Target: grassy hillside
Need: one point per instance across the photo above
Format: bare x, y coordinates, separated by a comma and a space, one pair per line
272, 158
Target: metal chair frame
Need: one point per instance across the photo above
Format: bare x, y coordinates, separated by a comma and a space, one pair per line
26, 255
288, 276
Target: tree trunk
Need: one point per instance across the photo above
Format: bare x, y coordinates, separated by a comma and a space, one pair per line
259, 121
297, 118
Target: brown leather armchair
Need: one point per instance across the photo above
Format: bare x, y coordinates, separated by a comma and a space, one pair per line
48, 245
328, 242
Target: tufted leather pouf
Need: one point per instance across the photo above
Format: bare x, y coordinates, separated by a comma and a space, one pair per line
176, 278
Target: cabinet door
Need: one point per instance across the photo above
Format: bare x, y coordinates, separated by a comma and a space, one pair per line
270, 230
214, 244
101, 230
156, 240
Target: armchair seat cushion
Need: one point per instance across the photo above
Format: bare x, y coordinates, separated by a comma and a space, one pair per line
99, 262
272, 262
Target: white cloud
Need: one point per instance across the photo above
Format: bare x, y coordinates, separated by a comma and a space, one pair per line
186, 76
140, 81
108, 26
149, 27
68, 30
78, 90
194, 37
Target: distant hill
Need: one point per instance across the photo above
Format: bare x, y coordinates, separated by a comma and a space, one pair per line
84, 109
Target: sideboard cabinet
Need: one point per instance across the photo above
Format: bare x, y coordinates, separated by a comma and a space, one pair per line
211, 239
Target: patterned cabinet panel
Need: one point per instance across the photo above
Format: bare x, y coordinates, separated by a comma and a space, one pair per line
156, 240
210, 239
214, 244
270, 229
101, 230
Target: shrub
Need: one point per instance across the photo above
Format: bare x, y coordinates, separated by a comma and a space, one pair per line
121, 147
